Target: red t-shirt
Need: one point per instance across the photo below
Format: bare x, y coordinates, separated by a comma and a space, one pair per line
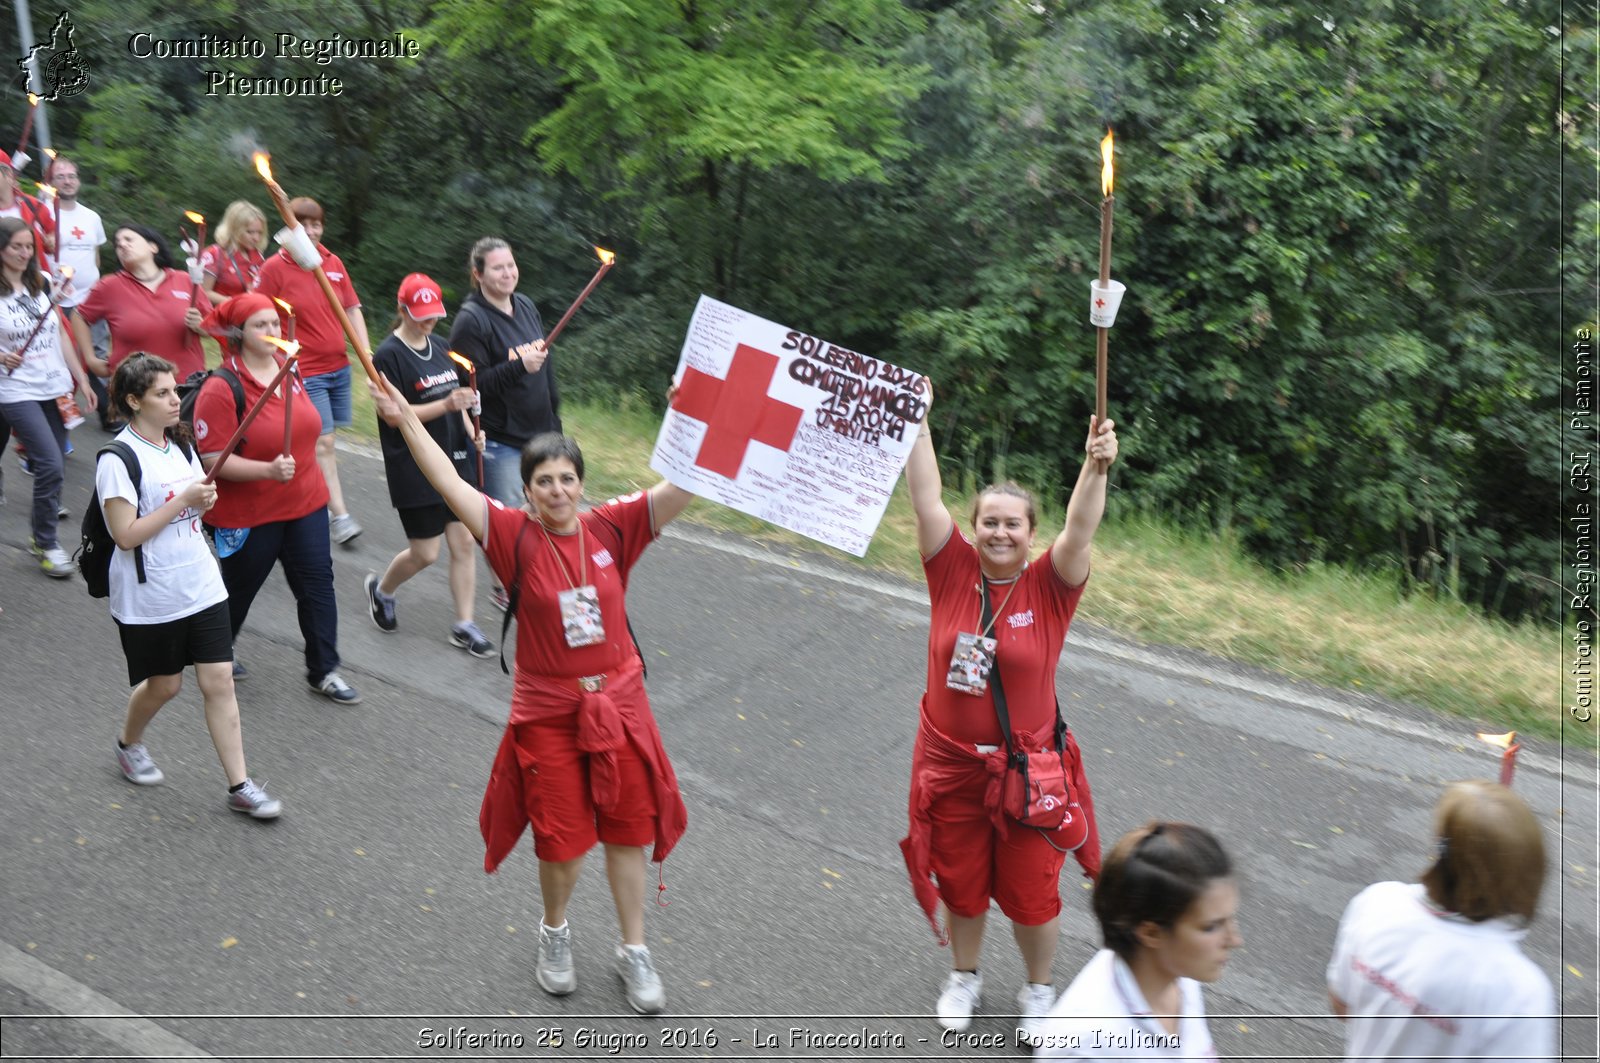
321, 338
145, 320
235, 271
1030, 630
248, 503
541, 641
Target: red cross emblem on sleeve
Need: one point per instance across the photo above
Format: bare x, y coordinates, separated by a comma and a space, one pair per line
737, 410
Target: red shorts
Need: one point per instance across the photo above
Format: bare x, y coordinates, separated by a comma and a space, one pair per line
972, 862
566, 824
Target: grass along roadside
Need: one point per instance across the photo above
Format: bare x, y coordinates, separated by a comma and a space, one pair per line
1161, 585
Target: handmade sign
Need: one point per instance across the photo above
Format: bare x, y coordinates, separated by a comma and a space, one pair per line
787, 427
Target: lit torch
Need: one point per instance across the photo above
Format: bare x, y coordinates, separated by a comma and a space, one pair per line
288, 381
199, 249
472, 382
1508, 759
1108, 204
288, 317
49, 167
49, 192
291, 353
27, 123
263, 163
607, 259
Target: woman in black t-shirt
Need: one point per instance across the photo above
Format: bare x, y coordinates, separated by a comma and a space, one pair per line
419, 364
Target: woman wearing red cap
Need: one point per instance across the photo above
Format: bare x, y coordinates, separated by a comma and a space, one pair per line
419, 364
271, 507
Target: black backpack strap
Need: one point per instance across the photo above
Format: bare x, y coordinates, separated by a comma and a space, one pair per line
236, 387
130, 461
513, 594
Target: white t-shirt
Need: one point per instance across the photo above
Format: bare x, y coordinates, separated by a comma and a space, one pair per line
43, 374
1408, 972
181, 576
1103, 1015
80, 233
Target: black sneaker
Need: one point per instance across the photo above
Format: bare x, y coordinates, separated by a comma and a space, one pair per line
380, 605
336, 689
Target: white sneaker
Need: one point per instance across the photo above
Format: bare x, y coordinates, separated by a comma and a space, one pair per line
1033, 1004
137, 766
962, 992
343, 528
640, 980
553, 968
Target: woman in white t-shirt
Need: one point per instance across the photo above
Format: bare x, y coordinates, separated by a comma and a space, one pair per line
167, 595
37, 365
1166, 903
1435, 969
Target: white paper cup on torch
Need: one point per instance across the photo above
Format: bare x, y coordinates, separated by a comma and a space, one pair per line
1103, 302
298, 243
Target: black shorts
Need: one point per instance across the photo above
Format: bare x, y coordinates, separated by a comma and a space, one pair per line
425, 522
205, 637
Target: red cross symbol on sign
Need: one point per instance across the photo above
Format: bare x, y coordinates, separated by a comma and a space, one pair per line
77, 233
737, 410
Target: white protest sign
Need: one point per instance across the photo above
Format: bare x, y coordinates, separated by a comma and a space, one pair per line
787, 427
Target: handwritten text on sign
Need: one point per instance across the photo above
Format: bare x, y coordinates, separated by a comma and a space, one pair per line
787, 427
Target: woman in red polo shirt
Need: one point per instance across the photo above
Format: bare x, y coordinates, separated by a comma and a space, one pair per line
233, 262
271, 506
990, 598
147, 303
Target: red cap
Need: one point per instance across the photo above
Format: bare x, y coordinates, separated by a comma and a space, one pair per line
422, 297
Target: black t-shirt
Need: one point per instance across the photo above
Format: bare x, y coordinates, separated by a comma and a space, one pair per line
422, 379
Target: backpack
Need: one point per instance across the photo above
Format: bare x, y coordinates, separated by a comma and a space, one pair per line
96, 545
189, 395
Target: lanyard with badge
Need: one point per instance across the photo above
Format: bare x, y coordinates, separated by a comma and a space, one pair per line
580, 603
973, 658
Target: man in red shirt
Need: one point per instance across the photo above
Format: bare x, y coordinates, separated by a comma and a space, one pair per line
324, 362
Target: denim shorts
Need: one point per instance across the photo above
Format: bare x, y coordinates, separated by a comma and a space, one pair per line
502, 473
330, 393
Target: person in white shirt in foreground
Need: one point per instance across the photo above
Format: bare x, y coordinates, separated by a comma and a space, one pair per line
1166, 903
1435, 969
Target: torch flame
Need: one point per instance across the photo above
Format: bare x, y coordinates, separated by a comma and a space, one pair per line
66, 272
198, 219
290, 348
1105, 165
33, 100
1504, 741
607, 257
263, 163
50, 152
463, 361
48, 191
287, 309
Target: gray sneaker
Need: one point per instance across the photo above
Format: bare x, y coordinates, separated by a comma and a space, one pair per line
334, 688
554, 968
469, 638
253, 801
640, 980
343, 528
136, 765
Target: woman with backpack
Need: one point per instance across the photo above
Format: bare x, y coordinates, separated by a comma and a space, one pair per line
167, 595
272, 503
37, 364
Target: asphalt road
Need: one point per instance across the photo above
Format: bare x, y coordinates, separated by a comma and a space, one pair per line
154, 923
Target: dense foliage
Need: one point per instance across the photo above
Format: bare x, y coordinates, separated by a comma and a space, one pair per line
1342, 226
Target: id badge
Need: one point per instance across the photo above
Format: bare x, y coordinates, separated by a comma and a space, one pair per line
580, 616
970, 663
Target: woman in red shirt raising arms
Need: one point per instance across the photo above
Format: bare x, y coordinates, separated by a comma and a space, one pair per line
999, 618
